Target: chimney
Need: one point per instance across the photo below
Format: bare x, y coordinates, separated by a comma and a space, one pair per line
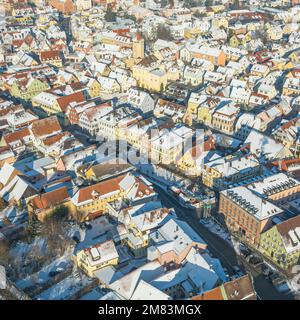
280, 164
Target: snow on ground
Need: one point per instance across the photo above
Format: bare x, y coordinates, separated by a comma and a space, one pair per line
95, 294
133, 264
65, 289
88, 237
219, 231
13, 215
41, 277
22, 249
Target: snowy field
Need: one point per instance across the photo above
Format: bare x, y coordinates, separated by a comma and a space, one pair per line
21, 249
43, 276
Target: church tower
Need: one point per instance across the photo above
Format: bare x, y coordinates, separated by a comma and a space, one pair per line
138, 46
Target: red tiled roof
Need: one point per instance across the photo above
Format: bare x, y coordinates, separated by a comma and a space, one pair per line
50, 55
66, 100
17, 135
50, 199
214, 294
45, 126
101, 188
290, 123
285, 164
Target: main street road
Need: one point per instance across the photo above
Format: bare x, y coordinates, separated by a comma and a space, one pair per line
222, 249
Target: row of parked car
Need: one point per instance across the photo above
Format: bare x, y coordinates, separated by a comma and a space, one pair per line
278, 281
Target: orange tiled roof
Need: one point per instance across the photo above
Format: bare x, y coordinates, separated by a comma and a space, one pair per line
45, 126
101, 188
50, 55
50, 199
66, 100
17, 135
214, 294
53, 139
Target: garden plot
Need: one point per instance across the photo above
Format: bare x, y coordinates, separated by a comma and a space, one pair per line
46, 273
67, 288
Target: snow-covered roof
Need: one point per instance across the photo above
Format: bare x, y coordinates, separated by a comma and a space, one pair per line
175, 235
260, 208
262, 145
146, 291
126, 285
273, 184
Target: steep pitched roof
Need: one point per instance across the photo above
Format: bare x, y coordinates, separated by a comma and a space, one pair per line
17, 135
50, 199
240, 289
214, 294
45, 126
289, 225
64, 101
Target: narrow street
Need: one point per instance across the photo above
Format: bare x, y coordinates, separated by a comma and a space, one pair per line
219, 248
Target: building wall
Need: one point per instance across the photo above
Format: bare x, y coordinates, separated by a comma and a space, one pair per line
271, 245
98, 206
239, 220
220, 60
83, 264
148, 80
286, 195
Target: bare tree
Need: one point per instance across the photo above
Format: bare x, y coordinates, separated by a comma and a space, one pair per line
4, 253
164, 33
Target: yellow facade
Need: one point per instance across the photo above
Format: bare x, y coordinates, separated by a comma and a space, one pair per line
28, 92
98, 205
291, 91
153, 80
294, 57
138, 49
271, 245
94, 89
188, 165
204, 115
82, 263
49, 109
192, 108
234, 42
209, 176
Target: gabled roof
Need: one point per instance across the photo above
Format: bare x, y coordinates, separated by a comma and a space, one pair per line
50, 199
64, 101
240, 289
50, 55
44, 127
17, 135
214, 294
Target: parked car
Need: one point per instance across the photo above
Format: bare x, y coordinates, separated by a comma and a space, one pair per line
255, 260
235, 276
75, 238
52, 274
274, 278
266, 270
245, 252
238, 271
88, 225
283, 287
226, 273
204, 221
